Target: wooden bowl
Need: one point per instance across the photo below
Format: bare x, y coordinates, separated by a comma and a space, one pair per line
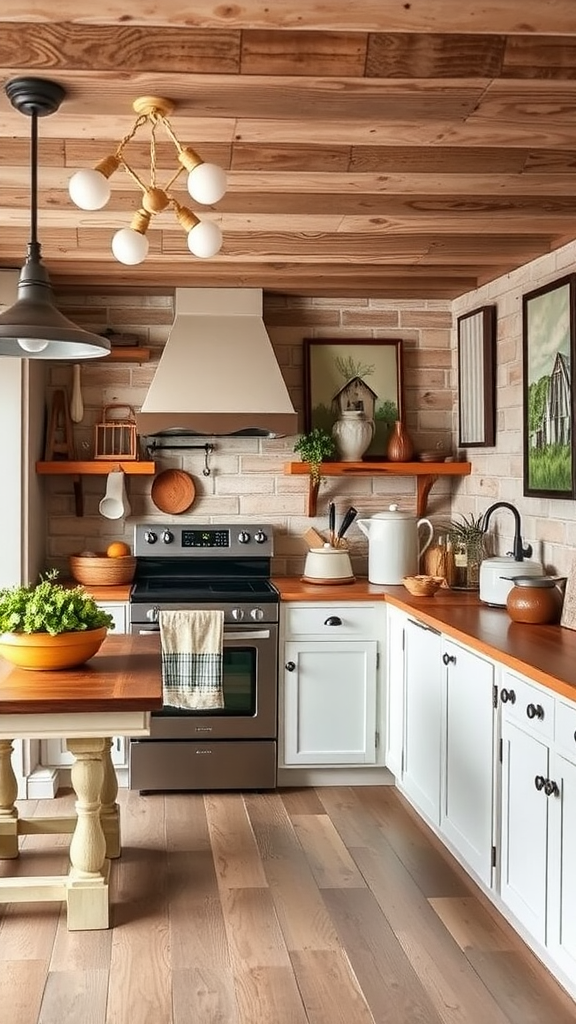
423, 586
102, 571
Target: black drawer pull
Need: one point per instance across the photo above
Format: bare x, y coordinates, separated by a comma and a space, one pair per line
290, 666
551, 788
508, 695
539, 782
535, 711
447, 658
333, 620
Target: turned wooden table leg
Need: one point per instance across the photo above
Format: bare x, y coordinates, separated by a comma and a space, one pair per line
8, 812
110, 811
87, 893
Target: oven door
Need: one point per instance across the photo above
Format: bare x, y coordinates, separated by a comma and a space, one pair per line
250, 686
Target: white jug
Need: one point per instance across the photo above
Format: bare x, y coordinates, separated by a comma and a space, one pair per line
394, 544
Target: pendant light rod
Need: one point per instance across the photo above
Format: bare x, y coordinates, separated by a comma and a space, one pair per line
33, 328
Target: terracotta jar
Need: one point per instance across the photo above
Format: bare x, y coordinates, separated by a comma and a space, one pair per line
400, 447
535, 599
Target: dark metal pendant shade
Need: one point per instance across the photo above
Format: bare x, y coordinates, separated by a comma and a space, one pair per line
33, 328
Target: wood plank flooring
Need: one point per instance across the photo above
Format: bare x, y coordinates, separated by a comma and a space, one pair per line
311, 906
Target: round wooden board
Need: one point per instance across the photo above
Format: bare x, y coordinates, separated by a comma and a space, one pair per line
173, 491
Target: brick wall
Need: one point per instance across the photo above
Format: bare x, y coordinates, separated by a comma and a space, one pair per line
247, 479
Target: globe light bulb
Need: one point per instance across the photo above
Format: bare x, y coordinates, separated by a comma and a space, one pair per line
207, 183
129, 246
89, 189
32, 344
205, 239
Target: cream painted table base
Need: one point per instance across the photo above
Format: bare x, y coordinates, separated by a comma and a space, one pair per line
95, 835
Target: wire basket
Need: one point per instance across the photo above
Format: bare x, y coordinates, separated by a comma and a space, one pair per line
115, 437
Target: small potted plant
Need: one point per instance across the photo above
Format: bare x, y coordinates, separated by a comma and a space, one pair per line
465, 539
50, 626
314, 448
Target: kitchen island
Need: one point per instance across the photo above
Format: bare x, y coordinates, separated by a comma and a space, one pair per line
112, 694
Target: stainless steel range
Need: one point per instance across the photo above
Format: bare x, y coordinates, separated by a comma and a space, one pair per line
201, 567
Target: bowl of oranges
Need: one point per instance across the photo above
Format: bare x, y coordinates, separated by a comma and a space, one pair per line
112, 568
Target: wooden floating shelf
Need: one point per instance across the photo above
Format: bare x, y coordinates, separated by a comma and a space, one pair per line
129, 354
426, 473
98, 467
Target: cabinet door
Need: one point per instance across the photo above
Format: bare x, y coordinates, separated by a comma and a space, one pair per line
468, 768
119, 612
523, 884
423, 718
395, 624
330, 702
562, 860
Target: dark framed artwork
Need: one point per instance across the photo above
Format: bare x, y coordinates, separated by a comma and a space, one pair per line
342, 374
477, 378
548, 324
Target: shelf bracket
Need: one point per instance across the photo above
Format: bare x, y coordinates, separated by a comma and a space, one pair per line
424, 485
78, 496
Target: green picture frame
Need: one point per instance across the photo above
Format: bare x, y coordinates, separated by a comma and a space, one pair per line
548, 342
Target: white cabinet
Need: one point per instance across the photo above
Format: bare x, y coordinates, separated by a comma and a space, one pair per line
539, 816
422, 717
467, 809
395, 639
119, 610
329, 693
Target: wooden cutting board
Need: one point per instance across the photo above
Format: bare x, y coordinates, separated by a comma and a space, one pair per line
173, 491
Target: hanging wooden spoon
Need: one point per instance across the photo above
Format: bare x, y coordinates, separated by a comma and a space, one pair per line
76, 403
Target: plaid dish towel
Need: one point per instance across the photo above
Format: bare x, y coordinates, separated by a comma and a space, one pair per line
192, 658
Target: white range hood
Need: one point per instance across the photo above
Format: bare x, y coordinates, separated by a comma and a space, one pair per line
218, 374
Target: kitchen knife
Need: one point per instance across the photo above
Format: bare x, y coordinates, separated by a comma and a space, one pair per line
332, 523
347, 521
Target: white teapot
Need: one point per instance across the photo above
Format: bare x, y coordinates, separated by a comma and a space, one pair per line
394, 544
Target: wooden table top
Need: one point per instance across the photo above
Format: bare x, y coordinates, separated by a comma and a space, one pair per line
125, 675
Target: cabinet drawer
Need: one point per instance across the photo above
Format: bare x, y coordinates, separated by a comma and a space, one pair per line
527, 704
347, 620
566, 728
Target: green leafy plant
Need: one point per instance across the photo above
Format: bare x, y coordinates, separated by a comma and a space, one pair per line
49, 607
313, 448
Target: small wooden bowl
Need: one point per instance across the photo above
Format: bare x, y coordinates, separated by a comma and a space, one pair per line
423, 586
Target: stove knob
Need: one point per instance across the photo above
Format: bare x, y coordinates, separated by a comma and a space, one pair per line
167, 536
257, 614
237, 614
150, 537
260, 537
244, 537
153, 613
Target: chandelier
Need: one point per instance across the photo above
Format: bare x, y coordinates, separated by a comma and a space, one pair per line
90, 188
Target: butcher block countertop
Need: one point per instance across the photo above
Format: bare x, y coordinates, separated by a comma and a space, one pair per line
546, 654
125, 675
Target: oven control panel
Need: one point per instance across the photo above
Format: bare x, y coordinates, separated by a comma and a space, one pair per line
165, 540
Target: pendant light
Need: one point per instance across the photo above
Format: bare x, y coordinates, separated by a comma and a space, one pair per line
33, 328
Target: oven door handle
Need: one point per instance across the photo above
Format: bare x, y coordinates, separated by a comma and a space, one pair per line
254, 634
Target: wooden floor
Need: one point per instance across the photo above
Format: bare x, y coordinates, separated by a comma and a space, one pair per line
327, 906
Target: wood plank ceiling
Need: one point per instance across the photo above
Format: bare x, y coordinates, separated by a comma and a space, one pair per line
373, 147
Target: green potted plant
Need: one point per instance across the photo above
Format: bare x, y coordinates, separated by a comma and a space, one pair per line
313, 448
48, 625
465, 539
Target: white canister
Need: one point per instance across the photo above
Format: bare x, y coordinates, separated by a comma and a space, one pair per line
396, 540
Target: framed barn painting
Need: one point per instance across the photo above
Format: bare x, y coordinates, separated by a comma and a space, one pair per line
341, 375
548, 333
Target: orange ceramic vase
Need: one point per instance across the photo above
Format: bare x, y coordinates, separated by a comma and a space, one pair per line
400, 447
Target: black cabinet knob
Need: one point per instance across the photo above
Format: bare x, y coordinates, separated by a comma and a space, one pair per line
535, 711
447, 658
333, 620
551, 788
290, 666
539, 782
508, 696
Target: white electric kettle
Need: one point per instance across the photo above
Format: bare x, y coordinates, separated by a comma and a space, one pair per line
394, 544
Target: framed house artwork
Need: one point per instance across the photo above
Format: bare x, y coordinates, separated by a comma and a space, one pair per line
341, 375
548, 333
477, 378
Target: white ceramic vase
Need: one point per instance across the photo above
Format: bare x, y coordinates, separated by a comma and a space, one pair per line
352, 434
